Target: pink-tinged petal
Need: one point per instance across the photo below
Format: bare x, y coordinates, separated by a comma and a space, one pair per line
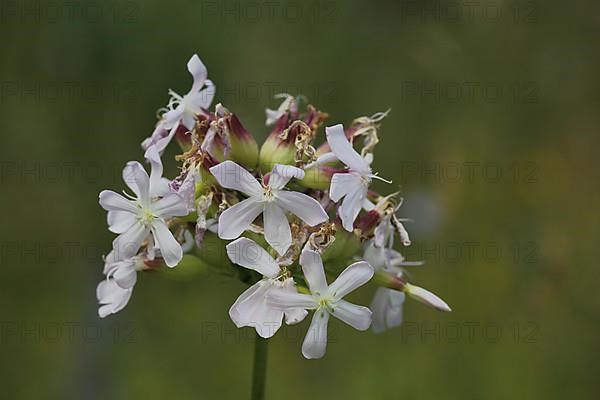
312, 266
249, 254
137, 179
251, 309
237, 218
198, 71
303, 206
277, 228
387, 309
285, 300
170, 249
315, 342
343, 150
159, 186
112, 201
120, 221
232, 176
111, 297
358, 317
127, 244
426, 297
172, 119
281, 175
172, 205
342, 184
351, 278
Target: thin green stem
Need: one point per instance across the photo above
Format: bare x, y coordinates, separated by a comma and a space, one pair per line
259, 371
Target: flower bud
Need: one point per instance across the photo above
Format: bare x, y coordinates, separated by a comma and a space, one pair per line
279, 147
345, 246
426, 297
244, 149
183, 137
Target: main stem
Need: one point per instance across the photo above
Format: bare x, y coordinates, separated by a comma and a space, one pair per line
259, 371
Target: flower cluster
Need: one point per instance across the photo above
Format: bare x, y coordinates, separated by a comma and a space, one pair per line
295, 216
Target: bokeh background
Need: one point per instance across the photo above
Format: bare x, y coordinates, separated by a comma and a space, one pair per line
80, 91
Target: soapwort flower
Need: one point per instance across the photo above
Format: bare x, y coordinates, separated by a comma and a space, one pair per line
136, 216
182, 110
326, 300
279, 194
268, 199
352, 185
251, 308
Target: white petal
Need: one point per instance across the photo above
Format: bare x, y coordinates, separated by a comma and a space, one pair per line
343, 150
281, 175
351, 206
251, 309
315, 342
312, 266
249, 254
353, 277
198, 71
172, 205
284, 300
136, 178
127, 244
120, 221
237, 218
358, 317
112, 201
231, 176
342, 184
293, 315
170, 249
277, 228
124, 274
111, 297
303, 206
387, 309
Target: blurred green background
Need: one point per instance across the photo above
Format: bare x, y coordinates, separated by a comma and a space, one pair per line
525, 323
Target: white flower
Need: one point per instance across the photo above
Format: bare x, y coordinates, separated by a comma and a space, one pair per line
135, 218
288, 103
183, 109
114, 292
112, 297
269, 200
251, 308
387, 303
354, 184
387, 309
326, 300
383, 258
